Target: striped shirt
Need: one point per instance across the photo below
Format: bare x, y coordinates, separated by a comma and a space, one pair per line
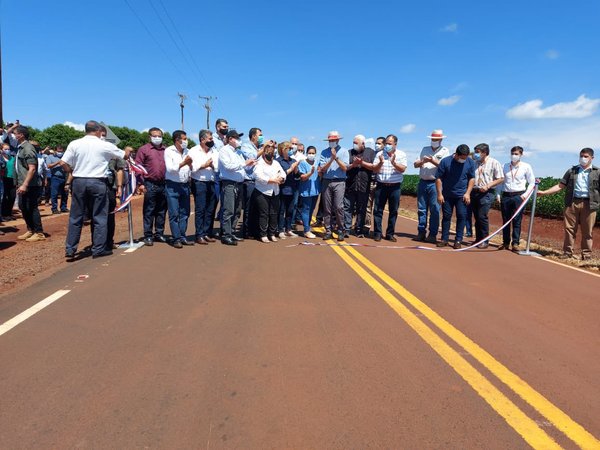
388, 173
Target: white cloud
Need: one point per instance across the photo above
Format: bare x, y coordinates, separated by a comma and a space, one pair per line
551, 54
578, 109
254, 97
77, 126
450, 28
449, 101
408, 128
460, 86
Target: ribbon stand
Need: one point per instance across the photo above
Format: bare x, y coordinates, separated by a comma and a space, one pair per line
131, 245
527, 251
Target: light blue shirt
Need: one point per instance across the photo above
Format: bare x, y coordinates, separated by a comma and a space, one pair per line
232, 165
312, 186
334, 172
250, 152
582, 184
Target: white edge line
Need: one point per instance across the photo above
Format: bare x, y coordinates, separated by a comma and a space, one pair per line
9, 325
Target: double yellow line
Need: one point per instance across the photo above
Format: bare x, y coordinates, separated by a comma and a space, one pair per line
514, 416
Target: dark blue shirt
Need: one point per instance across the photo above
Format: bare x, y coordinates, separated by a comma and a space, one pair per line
291, 182
455, 176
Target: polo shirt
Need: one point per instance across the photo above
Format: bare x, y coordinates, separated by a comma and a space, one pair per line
455, 176
427, 170
334, 172
89, 156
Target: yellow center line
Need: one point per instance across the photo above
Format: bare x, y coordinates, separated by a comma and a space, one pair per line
561, 420
517, 419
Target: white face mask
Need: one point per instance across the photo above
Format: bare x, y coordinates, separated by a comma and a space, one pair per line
310, 157
184, 144
378, 147
356, 147
435, 144
515, 158
294, 148
102, 138
461, 161
156, 140
584, 161
332, 144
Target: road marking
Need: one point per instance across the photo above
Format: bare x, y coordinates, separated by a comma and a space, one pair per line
7, 326
562, 421
517, 419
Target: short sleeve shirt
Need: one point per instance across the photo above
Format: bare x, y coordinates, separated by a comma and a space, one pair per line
359, 178
26, 155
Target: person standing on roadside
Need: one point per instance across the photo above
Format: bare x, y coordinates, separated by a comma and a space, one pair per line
288, 191
57, 181
379, 145
10, 190
358, 183
519, 181
28, 185
178, 164
151, 157
310, 187
427, 203
488, 175
455, 178
250, 150
582, 200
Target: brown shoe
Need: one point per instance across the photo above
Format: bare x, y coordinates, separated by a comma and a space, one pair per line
36, 237
503, 247
201, 241
516, 248
209, 239
25, 236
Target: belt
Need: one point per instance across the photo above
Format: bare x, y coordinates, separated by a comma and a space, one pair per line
146, 180
388, 184
512, 194
427, 181
581, 198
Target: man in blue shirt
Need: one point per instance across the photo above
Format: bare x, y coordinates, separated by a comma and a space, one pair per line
57, 181
332, 167
455, 178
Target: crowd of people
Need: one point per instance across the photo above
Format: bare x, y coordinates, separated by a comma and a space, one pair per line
265, 188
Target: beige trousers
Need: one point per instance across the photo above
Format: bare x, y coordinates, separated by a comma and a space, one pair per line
579, 214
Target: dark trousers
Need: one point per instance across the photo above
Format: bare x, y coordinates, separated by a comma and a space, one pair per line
480, 205
247, 223
231, 201
89, 194
390, 194
110, 220
266, 207
204, 205
287, 205
355, 203
57, 190
450, 204
508, 207
178, 203
48, 189
154, 209
28, 204
10, 194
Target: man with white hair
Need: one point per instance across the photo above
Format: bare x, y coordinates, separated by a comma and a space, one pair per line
358, 183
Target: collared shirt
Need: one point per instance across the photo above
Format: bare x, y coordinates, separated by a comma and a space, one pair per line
312, 186
292, 179
359, 178
334, 172
26, 155
455, 176
488, 171
89, 156
218, 141
200, 157
427, 170
152, 159
518, 178
388, 173
173, 158
231, 164
57, 171
265, 172
249, 151
582, 183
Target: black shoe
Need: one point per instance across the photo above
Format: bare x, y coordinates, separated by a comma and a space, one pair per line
102, 253
148, 241
64, 210
360, 236
177, 244
186, 242
483, 245
160, 238
431, 239
55, 211
70, 254
239, 239
327, 236
457, 245
341, 237
228, 241
209, 239
420, 237
442, 244
391, 238
377, 237
346, 234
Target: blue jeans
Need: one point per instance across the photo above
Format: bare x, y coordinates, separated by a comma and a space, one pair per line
178, 203
287, 205
308, 206
57, 189
427, 203
390, 194
204, 204
451, 203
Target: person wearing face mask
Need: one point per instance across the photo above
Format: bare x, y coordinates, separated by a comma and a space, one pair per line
519, 181
178, 164
488, 175
205, 160
288, 195
10, 190
379, 145
151, 156
220, 139
310, 187
250, 150
582, 200
57, 180
455, 177
233, 168
427, 203
333, 164
358, 183
390, 167
299, 156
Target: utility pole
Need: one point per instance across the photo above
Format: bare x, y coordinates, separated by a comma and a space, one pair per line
208, 109
182, 98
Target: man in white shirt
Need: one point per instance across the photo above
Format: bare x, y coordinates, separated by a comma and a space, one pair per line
389, 167
87, 159
488, 175
250, 150
178, 166
519, 181
205, 163
428, 162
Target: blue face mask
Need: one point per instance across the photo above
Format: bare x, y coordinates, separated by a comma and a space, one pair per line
388, 148
261, 140
477, 156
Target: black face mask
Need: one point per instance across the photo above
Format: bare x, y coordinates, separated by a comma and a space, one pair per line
210, 144
224, 131
269, 157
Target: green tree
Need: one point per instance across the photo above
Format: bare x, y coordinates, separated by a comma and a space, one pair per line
129, 137
58, 134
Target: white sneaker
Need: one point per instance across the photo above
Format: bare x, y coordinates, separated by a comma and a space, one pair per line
291, 234
309, 235
281, 235
264, 239
273, 239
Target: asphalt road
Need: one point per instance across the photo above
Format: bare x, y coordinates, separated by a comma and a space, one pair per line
271, 346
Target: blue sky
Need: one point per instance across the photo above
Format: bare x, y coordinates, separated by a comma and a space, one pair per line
505, 73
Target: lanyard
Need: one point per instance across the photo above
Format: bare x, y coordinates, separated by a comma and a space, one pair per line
514, 175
